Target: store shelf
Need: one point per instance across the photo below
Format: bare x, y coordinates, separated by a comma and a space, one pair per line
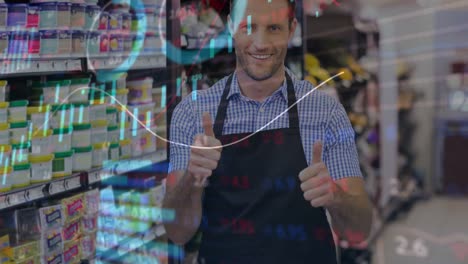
37, 66
38, 191
138, 62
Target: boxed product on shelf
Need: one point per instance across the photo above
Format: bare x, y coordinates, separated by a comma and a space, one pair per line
81, 135
148, 140
99, 131
17, 111
21, 175
17, 16
89, 223
20, 153
82, 159
18, 42
48, 42
114, 151
53, 258
63, 14
103, 20
41, 167
77, 19
143, 113
23, 252
3, 90
72, 230
78, 43
51, 217
72, 252
62, 139
18, 132
62, 165
34, 44
51, 241
4, 134
79, 90
111, 116
33, 17
4, 112
73, 207
113, 134
5, 155
91, 17
80, 113
41, 141
39, 116
5, 173
97, 111
140, 90
92, 200
88, 245
100, 154
125, 149
64, 42
60, 116
117, 97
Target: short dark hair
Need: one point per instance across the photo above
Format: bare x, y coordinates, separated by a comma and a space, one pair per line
291, 4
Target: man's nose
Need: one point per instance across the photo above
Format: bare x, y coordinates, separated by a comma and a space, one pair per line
260, 40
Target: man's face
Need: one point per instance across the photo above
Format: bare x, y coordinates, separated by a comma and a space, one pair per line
262, 36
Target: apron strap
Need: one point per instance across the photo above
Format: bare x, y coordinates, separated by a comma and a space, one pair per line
223, 105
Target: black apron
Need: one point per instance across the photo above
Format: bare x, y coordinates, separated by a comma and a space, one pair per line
253, 209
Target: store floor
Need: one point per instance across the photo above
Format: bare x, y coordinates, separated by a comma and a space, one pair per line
434, 231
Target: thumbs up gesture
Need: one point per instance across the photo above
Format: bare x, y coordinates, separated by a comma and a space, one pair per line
205, 153
316, 183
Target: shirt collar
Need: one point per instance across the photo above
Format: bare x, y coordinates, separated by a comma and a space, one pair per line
236, 91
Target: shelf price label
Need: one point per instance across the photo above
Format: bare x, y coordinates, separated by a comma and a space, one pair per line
16, 198
34, 193
72, 183
3, 203
94, 176
56, 187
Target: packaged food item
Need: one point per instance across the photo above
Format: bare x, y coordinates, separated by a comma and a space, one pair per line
80, 113
4, 40
54, 92
3, 15
72, 230
5, 173
3, 86
34, 44
4, 134
96, 94
41, 141
20, 153
82, 159
72, 252
126, 21
31, 260
115, 20
81, 136
144, 113
48, 15
89, 223
161, 141
77, 20
18, 132
149, 140
116, 43
92, 201
78, 48
17, 16
39, 116
53, 258
137, 138
73, 207
41, 167
33, 17
103, 21
99, 131
93, 42
125, 149
97, 111
48, 43
51, 241
114, 151
5, 155
4, 112
63, 14
21, 175
79, 90
51, 217
118, 97
140, 90
23, 251
18, 42
100, 154
92, 17
61, 139
62, 164
17, 111
64, 42
111, 116
88, 246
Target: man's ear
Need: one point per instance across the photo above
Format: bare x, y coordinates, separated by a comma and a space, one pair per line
292, 28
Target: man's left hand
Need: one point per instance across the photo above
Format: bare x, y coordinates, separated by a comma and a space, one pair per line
316, 183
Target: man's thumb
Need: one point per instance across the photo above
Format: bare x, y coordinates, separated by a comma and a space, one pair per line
317, 150
207, 124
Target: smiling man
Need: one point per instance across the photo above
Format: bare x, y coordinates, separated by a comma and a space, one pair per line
256, 183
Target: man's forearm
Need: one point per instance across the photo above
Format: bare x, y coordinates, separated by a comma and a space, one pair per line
185, 199
351, 217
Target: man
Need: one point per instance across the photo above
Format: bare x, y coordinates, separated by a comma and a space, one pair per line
256, 183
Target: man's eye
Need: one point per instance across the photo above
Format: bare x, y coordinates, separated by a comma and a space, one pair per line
275, 28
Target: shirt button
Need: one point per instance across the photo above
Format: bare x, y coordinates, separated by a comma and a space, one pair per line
262, 110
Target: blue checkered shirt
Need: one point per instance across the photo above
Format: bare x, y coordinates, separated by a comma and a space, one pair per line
321, 117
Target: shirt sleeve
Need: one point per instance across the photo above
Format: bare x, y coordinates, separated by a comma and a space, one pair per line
182, 132
340, 153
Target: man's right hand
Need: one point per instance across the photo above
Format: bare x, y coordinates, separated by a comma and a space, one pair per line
205, 153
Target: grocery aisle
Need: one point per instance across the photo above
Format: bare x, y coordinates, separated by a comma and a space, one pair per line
434, 231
